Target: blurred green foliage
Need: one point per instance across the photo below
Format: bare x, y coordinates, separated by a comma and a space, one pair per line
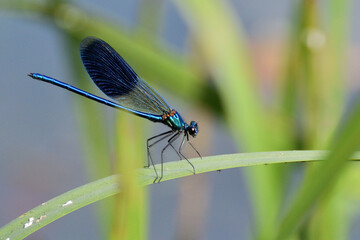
308, 105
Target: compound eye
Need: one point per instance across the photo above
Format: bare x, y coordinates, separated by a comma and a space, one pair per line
193, 128
193, 131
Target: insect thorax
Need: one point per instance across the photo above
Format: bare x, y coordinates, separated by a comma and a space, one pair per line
174, 120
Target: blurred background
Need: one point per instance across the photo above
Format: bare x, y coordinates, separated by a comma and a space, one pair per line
256, 76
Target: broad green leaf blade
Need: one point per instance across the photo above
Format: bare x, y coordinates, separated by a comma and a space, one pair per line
82, 196
331, 219
93, 134
59, 206
324, 176
220, 38
130, 211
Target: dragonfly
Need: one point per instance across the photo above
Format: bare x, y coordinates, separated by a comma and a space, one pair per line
117, 80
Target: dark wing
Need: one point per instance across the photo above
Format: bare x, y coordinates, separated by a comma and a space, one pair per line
116, 79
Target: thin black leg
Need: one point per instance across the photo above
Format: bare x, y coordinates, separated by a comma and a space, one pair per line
149, 146
166, 135
195, 149
173, 140
187, 137
180, 148
162, 154
161, 134
182, 144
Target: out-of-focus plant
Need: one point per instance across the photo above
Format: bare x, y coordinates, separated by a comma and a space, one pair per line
311, 97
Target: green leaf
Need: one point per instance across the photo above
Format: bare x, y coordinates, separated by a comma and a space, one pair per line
82, 196
324, 176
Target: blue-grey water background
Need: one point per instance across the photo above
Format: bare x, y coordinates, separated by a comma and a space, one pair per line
39, 138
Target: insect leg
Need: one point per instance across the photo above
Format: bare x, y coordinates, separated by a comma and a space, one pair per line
195, 149
148, 146
180, 148
172, 138
177, 152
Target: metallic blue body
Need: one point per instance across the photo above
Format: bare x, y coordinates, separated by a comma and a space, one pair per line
176, 122
41, 77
